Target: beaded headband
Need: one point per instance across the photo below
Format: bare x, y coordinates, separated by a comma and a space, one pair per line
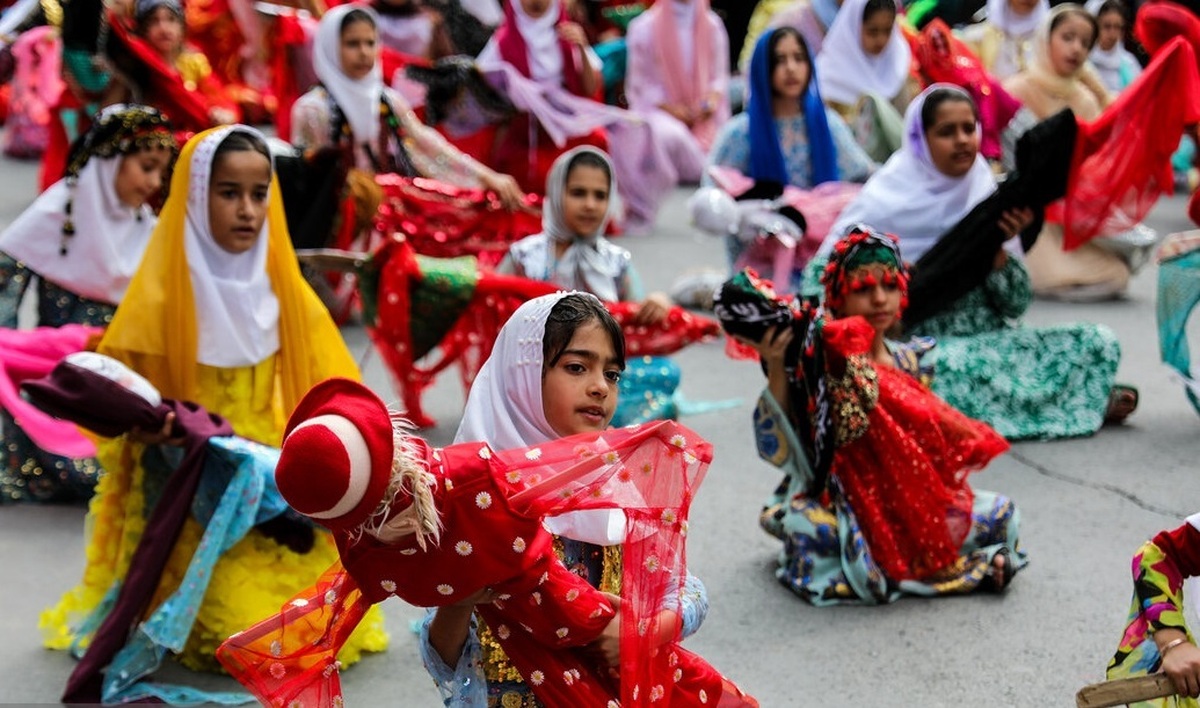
863, 246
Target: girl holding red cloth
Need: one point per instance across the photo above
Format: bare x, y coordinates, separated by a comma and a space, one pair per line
874, 503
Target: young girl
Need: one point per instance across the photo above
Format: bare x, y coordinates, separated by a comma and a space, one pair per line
160, 24
1059, 78
566, 383
874, 503
223, 319
354, 111
866, 58
1117, 66
572, 252
1004, 42
82, 240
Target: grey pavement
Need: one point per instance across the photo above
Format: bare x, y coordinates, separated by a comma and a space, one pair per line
1086, 505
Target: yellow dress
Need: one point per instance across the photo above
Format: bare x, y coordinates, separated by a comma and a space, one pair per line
158, 339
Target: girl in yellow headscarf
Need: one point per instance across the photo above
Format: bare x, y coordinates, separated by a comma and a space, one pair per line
217, 314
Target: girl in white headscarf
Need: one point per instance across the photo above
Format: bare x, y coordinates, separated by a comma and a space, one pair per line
1004, 41
1115, 64
352, 109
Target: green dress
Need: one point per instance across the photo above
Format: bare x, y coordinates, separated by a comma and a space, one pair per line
1026, 382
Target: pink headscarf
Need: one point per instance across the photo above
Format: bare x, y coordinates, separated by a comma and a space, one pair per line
686, 85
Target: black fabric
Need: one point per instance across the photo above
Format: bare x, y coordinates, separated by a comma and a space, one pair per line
310, 187
454, 84
963, 257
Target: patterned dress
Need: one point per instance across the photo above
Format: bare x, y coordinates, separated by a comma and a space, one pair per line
1026, 382
826, 559
28, 473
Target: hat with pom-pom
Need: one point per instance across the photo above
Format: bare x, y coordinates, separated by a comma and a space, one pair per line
336, 460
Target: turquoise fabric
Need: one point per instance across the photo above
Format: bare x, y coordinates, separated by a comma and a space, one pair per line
1178, 294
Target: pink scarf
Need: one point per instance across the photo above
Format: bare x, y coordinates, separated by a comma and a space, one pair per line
686, 85
515, 51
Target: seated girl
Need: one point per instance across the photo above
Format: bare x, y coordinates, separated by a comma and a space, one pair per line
82, 241
225, 320
1004, 41
864, 66
874, 503
1115, 64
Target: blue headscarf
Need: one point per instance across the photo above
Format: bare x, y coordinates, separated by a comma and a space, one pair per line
766, 155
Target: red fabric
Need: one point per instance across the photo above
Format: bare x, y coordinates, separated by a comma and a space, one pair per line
905, 477
1159, 22
943, 58
491, 505
1193, 207
186, 109
1122, 162
677, 330
527, 152
288, 39
514, 50
54, 160
1181, 546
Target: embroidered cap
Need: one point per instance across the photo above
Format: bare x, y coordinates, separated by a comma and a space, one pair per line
336, 460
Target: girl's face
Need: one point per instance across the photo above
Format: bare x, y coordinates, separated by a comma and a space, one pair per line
163, 30
1070, 44
789, 78
1112, 29
237, 199
953, 140
141, 175
358, 50
579, 392
1021, 8
876, 31
535, 8
585, 199
876, 300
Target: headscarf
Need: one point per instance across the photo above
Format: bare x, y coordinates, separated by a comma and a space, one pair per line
1001, 16
846, 69
1081, 91
99, 262
167, 334
863, 246
142, 8
581, 266
909, 196
358, 99
1108, 62
683, 33
532, 46
766, 153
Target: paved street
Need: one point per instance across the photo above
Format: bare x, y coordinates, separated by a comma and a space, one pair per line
1085, 505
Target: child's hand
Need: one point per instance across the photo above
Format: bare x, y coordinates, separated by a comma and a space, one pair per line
1014, 221
654, 309
573, 33
772, 346
157, 437
608, 644
1182, 665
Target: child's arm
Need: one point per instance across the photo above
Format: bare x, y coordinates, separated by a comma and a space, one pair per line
451, 653
1180, 559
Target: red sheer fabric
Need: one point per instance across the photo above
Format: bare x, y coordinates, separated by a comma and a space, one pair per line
1159, 22
905, 477
1122, 162
676, 331
943, 58
285, 49
491, 505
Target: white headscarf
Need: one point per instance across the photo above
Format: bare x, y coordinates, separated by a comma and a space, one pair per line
910, 197
847, 72
237, 313
110, 237
1001, 16
581, 266
504, 409
358, 99
541, 41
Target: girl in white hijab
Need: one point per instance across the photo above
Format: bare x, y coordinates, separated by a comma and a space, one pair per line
1004, 42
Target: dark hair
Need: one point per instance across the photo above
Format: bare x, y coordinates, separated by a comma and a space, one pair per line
241, 141
1113, 6
356, 15
1077, 12
874, 6
142, 20
590, 159
569, 314
776, 37
937, 98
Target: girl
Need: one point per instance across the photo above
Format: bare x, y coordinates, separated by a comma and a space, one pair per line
353, 111
1004, 42
573, 388
1058, 78
874, 502
865, 56
787, 135
572, 253
1116, 65
82, 240
679, 76
933, 182
223, 319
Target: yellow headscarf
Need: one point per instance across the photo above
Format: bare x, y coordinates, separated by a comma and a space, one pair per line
155, 333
